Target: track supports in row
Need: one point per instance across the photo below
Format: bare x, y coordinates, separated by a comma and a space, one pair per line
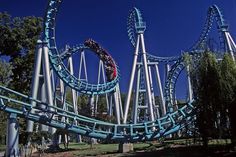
145, 80
41, 84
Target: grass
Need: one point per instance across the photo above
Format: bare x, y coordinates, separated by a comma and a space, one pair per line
175, 148
2, 147
96, 149
100, 149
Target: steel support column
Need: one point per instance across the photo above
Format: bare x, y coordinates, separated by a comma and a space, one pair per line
230, 44
190, 92
35, 82
136, 101
127, 103
148, 88
163, 107
47, 79
12, 147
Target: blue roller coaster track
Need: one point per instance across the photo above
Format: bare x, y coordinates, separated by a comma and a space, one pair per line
15, 102
92, 127
196, 50
179, 63
57, 63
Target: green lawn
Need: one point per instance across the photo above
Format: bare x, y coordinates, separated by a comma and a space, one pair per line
168, 148
2, 148
99, 149
112, 149
96, 149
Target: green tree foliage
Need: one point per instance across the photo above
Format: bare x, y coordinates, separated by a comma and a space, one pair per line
228, 96
228, 80
5, 72
18, 41
83, 105
17, 44
206, 95
5, 78
214, 84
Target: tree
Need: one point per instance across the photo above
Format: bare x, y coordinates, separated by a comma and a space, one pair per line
5, 73
18, 41
206, 86
228, 95
214, 85
232, 117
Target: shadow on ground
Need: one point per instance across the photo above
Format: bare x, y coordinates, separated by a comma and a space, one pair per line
152, 150
191, 151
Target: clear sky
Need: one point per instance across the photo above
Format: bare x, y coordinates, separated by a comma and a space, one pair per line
172, 25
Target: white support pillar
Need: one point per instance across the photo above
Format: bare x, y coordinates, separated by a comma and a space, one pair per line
163, 107
117, 107
74, 98
82, 65
127, 103
12, 148
47, 79
166, 71
231, 45
110, 109
35, 82
42, 96
53, 80
190, 92
120, 102
136, 101
155, 108
101, 78
232, 41
148, 88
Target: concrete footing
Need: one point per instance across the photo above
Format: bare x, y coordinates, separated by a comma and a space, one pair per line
126, 147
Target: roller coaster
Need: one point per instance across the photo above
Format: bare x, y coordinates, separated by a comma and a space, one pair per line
51, 110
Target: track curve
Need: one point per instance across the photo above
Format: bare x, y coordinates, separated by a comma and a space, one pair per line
153, 58
105, 57
111, 69
150, 130
57, 63
179, 64
164, 126
213, 13
195, 51
169, 123
134, 19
